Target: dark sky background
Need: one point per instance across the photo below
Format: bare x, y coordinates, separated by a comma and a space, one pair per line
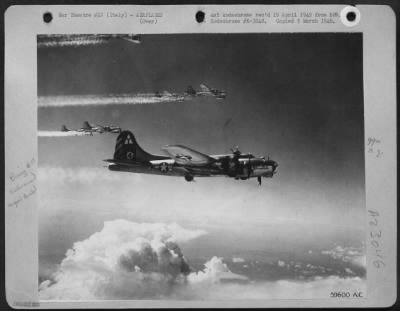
295, 97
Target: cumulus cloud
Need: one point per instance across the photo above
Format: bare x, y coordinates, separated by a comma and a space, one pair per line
351, 255
281, 263
349, 271
238, 259
127, 260
215, 271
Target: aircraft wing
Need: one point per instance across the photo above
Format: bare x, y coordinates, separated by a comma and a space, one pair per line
99, 127
205, 88
187, 156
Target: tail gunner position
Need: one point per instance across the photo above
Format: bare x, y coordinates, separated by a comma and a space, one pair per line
187, 162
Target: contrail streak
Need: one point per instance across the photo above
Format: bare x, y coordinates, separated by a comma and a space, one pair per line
76, 40
60, 134
96, 100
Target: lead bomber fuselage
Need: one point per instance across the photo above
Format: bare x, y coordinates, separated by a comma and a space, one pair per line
184, 161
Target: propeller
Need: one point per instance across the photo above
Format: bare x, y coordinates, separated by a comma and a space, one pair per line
248, 165
276, 168
236, 151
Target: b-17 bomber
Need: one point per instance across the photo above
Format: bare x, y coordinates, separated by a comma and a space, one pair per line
188, 163
205, 91
88, 129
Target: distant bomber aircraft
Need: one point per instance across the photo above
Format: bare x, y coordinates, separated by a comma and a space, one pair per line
111, 128
205, 91
186, 162
89, 129
165, 95
101, 128
75, 131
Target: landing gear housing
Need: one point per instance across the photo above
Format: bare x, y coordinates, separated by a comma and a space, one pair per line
188, 177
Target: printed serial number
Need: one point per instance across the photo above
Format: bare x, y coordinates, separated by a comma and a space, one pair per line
346, 295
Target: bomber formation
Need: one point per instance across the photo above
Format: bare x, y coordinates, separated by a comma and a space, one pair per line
180, 160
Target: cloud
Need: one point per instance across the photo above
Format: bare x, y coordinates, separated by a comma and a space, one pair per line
84, 175
281, 263
127, 260
215, 271
238, 259
351, 255
349, 271
318, 287
360, 261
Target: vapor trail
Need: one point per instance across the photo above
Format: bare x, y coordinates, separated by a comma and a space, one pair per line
109, 99
59, 134
52, 41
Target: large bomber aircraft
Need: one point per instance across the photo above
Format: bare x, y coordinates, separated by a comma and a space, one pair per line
187, 162
205, 91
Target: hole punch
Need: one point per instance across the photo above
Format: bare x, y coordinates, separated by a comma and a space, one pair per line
47, 17
200, 16
351, 16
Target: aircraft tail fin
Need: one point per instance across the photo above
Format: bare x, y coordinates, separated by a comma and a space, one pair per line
127, 149
205, 88
64, 128
86, 125
190, 90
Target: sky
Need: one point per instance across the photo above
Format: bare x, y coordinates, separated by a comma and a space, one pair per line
297, 98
